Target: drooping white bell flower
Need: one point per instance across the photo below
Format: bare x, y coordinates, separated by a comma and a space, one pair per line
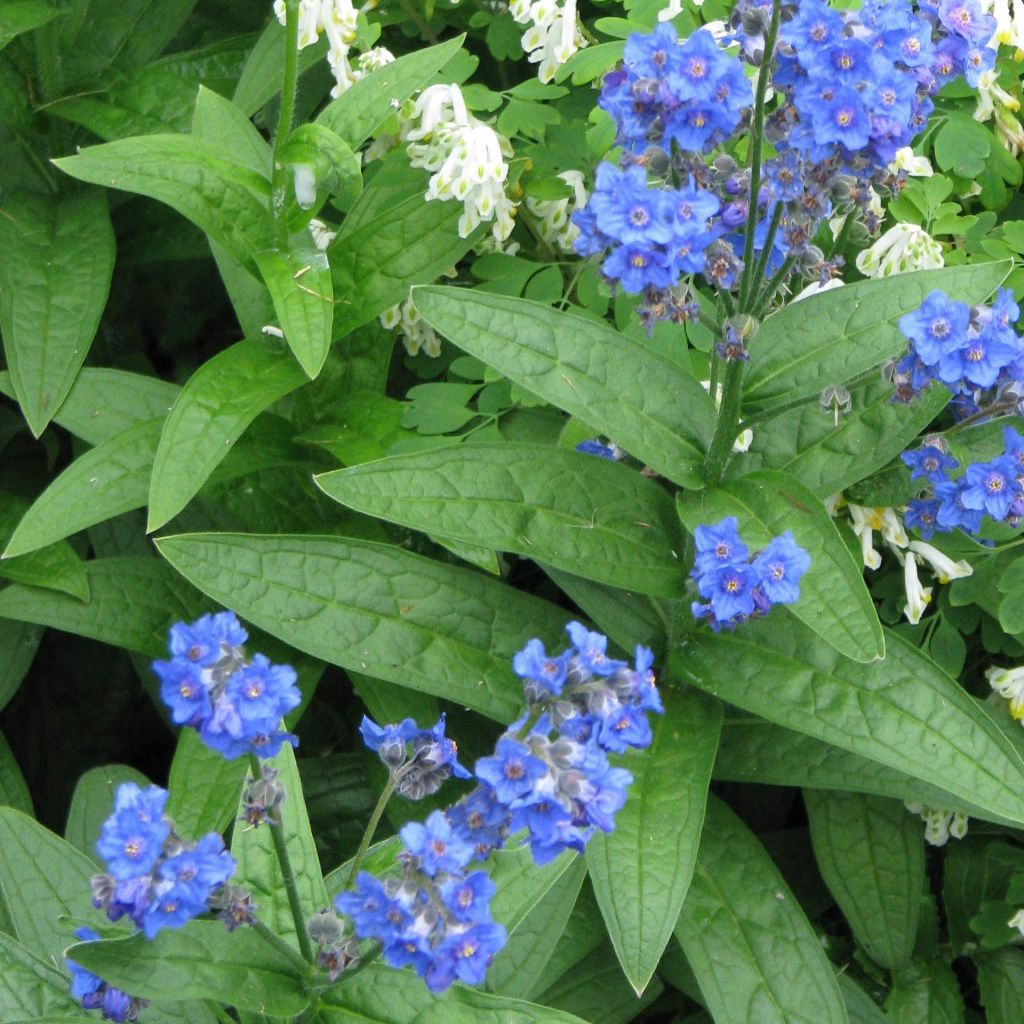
902, 248
553, 35
940, 824
1009, 683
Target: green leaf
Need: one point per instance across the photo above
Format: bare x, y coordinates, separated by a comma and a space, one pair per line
258, 867
17, 16
521, 962
834, 600
56, 567
227, 201
375, 261
806, 443
962, 145
753, 951
101, 483
643, 402
599, 519
871, 855
364, 108
133, 603
19, 642
303, 294
831, 338
203, 787
92, 803
13, 788
219, 120
1001, 978
976, 870
642, 870
861, 1008
103, 402
42, 878
56, 261
30, 987
376, 609
211, 412
903, 712
925, 993
201, 961
260, 80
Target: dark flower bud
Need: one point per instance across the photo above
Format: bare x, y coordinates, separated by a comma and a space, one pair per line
324, 927
235, 906
262, 797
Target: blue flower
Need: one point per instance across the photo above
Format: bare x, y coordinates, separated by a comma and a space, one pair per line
534, 664
437, 845
512, 770
182, 689
132, 839
780, 567
84, 983
929, 462
591, 650
718, 545
389, 741
937, 327
465, 956
201, 642
922, 515
468, 899
263, 693
990, 486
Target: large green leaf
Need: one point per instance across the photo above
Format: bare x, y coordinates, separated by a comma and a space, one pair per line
303, 294
211, 412
19, 642
227, 201
217, 119
754, 953
260, 80
42, 880
825, 457
861, 1008
31, 987
93, 801
925, 993
642, 870
871, 854
201, 961
1001, 978
976, 870
13, 788
361, 110
376, 609
259, 870
101, 483
133, 602
589, 516
903, 712
625, 392
56, 261
753, 750
17, 16
374, 264
55, 567
832, 337
203, 787
834, 600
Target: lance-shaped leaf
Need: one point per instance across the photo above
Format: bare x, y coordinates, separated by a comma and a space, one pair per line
300, 286
219, 120
860, 1007
19, 642
834, 600
31, 988
1001, 979
92, 803
56, 261
259, 869
642, 870
13, 788
201, 961
904, 712
42, 880
211, 412
17, 16
753, 952
871, 854
364, 108
925, 993
375, 609
643, 402
227, 201
56, 567
589, 516
832, 337
203, 787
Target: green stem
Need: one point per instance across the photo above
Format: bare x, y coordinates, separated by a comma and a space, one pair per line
287, 873
371, 827
844, 233
754, 155
279, 183
726, 424
766, 252
284, 948
763, 300
532, 719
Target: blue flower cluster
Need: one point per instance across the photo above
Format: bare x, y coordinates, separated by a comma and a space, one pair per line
549, 775
236, 705
153, 876
420, 760
95, 994
737, 587
995, 488
971, 351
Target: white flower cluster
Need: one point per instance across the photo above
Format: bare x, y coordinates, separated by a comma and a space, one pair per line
337, 19
553, 36
903, 247
466, 156
1009, 683
889, 523
554, 216
939, 823
417, 335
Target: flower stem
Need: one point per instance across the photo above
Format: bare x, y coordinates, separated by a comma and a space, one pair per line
726, 425
287, 874
371, 827
279, 184
280, 945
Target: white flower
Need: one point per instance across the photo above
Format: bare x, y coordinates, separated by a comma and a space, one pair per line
1009, 25
943, 566
416, 333
1017, 921
554, 216
322, 234
816, 288
886, 521
553, 36
1009, 683
918, 597
1009, 131
675, 7
915, 166
939, 824
903, 247
991, 95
